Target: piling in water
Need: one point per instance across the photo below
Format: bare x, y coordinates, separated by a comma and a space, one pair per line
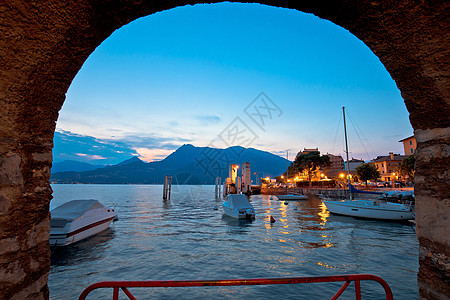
218, 183
167, 187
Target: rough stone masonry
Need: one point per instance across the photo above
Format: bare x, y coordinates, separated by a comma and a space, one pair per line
43, 45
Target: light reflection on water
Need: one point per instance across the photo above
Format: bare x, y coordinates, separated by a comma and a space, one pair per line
184, 238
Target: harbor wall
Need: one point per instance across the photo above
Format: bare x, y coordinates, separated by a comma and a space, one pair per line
329, 192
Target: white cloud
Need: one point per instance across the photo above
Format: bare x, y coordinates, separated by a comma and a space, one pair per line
90, 156
150, 155
208, 119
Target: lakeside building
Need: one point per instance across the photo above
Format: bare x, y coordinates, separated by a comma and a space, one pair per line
306, 150
409, 145
353, 164
389, 166
336, 168
303, 176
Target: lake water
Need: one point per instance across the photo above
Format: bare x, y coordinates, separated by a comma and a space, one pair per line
186, 239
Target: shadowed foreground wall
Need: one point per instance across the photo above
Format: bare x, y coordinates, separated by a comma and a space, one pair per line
44, 44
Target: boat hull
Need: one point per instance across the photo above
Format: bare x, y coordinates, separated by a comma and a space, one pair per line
78, 230
77, 220
234, 213
237, 206
292, 197
370, 209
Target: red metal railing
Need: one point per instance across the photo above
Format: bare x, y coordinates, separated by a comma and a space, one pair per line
347, 279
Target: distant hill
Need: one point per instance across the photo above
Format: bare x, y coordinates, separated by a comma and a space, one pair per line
132, 160
188, 164
75, 166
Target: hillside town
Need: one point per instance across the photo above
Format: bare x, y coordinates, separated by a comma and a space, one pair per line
328, 170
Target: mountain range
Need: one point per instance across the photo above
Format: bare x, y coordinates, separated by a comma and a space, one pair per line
73, 165
188, 165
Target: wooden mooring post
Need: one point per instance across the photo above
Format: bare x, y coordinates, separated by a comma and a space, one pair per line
218, 183
225, 189
167, 187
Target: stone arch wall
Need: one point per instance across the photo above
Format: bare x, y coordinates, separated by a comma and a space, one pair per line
44, 44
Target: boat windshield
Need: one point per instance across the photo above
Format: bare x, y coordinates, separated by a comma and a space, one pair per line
75, 209
238, 201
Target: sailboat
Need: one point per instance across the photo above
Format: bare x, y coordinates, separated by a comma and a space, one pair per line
290, 197
370, 209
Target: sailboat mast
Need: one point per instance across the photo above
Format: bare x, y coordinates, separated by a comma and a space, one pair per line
346, 151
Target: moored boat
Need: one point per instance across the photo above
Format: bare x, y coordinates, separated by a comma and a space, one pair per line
237, 206
292, 197
398, 196
77, 220
371, 209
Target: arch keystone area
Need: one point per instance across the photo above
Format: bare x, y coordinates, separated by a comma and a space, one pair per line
45, 43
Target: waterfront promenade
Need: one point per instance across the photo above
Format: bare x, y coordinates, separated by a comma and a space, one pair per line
316, 191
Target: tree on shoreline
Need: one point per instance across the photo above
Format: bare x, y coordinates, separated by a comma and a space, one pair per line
367, 171
309, 163
407, 167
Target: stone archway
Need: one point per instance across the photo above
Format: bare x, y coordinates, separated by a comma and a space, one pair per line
44, 44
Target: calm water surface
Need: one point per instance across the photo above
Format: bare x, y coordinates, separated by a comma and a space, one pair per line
185, 238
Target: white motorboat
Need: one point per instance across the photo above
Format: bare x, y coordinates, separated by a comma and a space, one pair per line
398, 196
77, 220
292, 197
371, 209
237, 206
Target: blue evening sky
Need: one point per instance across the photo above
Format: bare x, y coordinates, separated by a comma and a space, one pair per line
191, 75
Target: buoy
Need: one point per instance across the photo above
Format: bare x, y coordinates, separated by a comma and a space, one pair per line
272, 219
215, 207
271, 198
